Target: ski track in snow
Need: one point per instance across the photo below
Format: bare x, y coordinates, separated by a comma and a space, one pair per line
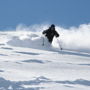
24, 66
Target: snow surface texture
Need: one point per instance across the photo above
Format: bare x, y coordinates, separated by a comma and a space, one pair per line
25, 64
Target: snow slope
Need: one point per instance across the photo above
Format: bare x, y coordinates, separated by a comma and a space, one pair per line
27, 65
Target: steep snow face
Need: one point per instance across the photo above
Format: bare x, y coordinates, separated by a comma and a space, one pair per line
26, 64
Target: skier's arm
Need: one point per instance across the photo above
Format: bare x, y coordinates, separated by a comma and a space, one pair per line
44, 32
56, 34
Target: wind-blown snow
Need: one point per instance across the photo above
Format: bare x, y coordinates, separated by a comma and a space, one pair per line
74, 38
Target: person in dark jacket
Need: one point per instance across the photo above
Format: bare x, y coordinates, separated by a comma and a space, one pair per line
50, 33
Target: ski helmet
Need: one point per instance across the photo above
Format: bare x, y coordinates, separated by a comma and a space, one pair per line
52, 25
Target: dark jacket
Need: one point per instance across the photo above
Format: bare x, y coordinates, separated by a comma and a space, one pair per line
50, 34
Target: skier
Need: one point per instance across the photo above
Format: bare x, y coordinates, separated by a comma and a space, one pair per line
50, 33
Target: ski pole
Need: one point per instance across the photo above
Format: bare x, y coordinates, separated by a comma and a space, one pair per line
59, 44
43, 41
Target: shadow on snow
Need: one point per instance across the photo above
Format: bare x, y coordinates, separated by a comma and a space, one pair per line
13, 85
